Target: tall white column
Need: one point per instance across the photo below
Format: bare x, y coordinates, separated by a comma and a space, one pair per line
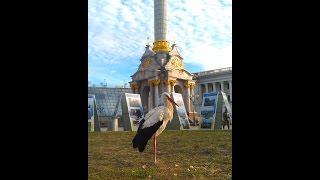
206, 87
160, 19
222, 86
230, 90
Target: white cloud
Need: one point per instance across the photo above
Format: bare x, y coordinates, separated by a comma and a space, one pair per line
118, 31
203, 31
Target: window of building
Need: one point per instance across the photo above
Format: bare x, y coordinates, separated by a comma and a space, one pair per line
228, 97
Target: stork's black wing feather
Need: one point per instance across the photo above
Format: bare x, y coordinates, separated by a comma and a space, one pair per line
143, 135
134, 141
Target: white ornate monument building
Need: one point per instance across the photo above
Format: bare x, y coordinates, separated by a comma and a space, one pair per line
161, 68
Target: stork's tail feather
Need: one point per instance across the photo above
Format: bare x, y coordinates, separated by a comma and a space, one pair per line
137, 137
142, 145
140, 141
134, 142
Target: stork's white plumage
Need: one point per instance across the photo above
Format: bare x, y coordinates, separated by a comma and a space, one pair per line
154, 122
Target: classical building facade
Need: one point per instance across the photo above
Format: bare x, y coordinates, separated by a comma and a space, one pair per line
214, 80
198, 83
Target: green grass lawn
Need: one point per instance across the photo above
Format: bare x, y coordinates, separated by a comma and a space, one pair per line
182, 155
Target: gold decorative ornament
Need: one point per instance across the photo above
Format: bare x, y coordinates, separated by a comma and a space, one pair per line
186, 84
166, 82
177, 63
163, 46
134, 86
189, 84
172, 82
154, 82
146, 63
192, 85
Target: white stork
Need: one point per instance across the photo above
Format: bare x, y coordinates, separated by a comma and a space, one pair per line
154, 123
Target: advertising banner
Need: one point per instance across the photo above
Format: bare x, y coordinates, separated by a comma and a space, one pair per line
208, 109
133, 109
181, 111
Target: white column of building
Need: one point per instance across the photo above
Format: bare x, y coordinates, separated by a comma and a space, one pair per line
171, 88
151, 94
192, 92
167, 86
156, 93
188, 97
206, 84
222, 86
149, 101
214, 87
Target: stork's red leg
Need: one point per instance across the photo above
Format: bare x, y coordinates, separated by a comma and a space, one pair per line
155, 148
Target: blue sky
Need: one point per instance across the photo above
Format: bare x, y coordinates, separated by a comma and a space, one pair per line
119, 31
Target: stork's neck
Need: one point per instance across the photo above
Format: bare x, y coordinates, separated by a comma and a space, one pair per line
169, 106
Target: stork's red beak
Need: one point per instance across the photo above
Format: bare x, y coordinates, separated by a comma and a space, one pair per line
172, 101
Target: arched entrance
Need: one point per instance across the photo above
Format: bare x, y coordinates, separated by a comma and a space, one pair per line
145, 98
177, 89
